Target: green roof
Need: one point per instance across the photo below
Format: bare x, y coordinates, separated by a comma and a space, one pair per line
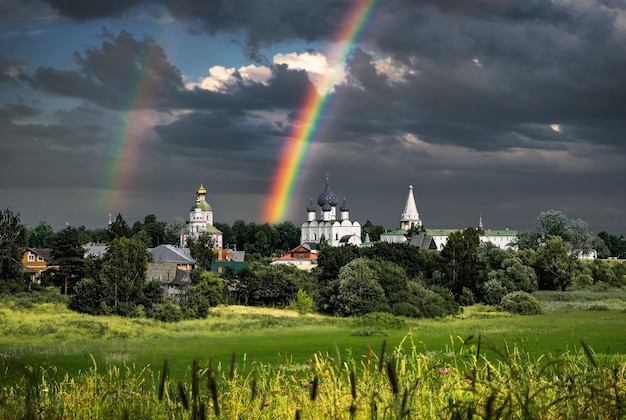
212, 229
398, 232
487, 232
202, 205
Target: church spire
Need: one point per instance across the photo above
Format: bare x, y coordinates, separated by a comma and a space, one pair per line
410, 216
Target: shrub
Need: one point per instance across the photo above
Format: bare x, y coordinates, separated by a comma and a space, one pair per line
493, 292
167, 312
467, 297
521, 303
370, 332
303, 303
405, 309
380, 319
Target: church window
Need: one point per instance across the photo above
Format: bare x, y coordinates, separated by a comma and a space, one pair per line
336, 236
315, 236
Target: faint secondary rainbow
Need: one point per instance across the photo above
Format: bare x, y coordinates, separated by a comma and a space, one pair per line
130, 127
307, 124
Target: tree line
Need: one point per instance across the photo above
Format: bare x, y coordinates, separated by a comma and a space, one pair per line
348, 280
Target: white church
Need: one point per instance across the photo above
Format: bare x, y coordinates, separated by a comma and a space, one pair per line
436, 239
201, 220
330, 222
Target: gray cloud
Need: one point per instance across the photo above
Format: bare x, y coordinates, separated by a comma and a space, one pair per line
505, 108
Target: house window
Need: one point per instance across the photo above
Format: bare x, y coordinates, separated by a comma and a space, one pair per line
39, 258
219, 269
31, 257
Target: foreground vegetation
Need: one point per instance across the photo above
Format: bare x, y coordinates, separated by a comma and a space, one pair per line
390, 384
244, 362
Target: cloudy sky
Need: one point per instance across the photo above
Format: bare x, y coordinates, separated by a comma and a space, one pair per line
499, 108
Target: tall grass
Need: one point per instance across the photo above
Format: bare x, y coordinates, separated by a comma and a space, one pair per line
478, 380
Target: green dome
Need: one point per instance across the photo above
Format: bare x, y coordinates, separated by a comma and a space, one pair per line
202, 205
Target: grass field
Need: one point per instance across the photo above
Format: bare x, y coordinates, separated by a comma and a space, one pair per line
254, 363
50, 335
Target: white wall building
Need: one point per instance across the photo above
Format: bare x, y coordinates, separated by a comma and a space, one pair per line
328, 223
410, 218
201, 220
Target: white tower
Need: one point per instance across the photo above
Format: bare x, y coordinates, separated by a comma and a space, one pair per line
410, 216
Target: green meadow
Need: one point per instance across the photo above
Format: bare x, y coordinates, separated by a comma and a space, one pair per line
50, 335
263, 363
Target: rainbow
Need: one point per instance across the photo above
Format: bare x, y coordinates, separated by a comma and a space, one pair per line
129, 129
307, 124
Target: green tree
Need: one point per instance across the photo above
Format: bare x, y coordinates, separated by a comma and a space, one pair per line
458, 261
173, 231
119, 229
393, 280
68, 260
202, 250
358, 291
303, 303
554, 264
229, 239
551, 223
402, 254
13, 243
288, 236
123, 274
331, 259
41, 236
208, 292
373, 230
526, 240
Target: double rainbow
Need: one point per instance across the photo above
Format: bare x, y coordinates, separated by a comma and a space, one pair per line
307, 124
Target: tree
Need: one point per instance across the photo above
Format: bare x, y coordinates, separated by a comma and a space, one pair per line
119, 229
41, 236
526, 240
202, 250
358, 291
12, 245
554, 264
68, 260
373, 230
173, 231
123, 274
208, 292
303, 304
150, 229
551, 223
393, 280
331, 259
458, 261
402, 254
229, 239
288, 236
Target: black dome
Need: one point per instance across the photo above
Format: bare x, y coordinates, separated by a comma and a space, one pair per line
311, 207
344, 206
327, 197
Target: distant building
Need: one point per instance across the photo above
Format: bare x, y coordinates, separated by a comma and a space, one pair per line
301, 256
172, 267
35, 261
329, 222
436, 239
201, 220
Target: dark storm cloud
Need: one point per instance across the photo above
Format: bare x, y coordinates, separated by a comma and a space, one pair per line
219, 132
17, 111
122, 72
